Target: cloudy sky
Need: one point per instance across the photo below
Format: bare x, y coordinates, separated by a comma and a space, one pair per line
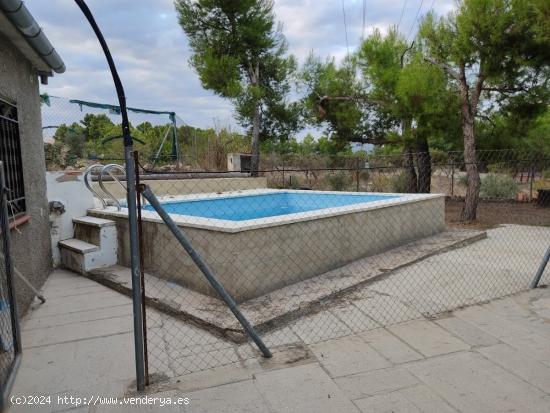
152, 53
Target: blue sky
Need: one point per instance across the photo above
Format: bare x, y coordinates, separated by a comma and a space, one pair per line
152, 53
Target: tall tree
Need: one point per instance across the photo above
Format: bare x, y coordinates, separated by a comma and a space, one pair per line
386, 94
489, 49
240, 53
414, 93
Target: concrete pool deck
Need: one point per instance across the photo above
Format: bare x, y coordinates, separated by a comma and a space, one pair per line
278, 308
486, 358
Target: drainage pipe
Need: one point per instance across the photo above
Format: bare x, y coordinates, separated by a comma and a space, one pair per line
18, 14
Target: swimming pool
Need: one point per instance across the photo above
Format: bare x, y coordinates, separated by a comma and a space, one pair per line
257, 241
263, 205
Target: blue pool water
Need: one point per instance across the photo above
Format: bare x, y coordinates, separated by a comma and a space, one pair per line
242, 208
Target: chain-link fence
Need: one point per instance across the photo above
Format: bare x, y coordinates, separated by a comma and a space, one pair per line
316, 248
79, 133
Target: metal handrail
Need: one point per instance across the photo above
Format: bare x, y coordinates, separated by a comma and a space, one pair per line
92, 190
107, 169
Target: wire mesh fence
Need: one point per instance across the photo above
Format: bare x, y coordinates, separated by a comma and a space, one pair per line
79, 133
316, 248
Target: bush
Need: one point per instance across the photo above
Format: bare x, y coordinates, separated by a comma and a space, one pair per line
498, 186
546, 174
399, 183
339, 181
364, 175
380, 183
294, 182
463, 180
500, 167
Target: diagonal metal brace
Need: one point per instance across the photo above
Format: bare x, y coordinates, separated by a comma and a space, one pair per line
197, 259
540, 271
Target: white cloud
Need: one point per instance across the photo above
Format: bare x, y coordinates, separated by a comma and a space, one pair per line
152, 52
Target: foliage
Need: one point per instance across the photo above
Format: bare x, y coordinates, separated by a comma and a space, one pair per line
380, 183
498, 186
463, 181
399, 183
339, 181
240, 54
55, 155
495, 52
294, 182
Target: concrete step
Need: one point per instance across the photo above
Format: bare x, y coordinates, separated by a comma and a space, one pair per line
78, 246
95, 245
97, 231
93, 222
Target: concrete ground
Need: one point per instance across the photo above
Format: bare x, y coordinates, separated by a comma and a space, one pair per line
485, 358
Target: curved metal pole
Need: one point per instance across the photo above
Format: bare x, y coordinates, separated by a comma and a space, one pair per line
107, 169
131, 197
90, 188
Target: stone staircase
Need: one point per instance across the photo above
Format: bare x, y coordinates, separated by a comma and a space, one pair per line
94, 245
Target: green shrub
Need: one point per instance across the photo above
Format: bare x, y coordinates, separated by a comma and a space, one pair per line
399, 183
498, 186
380, 183
364, 174
463, 180
294, 182
546, 174
339, 181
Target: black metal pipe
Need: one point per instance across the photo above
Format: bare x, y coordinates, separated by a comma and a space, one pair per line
131, 200
142, 273
197, 259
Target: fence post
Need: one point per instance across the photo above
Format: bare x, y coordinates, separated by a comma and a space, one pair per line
284, 182
142, 271
130, 196
531, 178
357, 175
452, 176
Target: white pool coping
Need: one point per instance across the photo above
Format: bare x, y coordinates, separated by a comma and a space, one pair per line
247, 225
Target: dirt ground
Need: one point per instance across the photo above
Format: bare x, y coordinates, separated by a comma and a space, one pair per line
491, 214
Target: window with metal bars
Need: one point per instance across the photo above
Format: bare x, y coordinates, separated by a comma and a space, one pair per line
10, 155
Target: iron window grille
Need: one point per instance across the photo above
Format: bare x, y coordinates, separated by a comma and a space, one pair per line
10, 155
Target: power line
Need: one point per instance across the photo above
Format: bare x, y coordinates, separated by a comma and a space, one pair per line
402, 13
364, 20
415, 19
345, 25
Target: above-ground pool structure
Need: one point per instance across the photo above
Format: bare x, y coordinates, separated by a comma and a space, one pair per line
255, 241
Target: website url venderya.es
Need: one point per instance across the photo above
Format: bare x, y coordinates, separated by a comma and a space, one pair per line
77, 401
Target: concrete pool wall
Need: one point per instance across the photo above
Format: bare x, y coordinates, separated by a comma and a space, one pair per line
253, 260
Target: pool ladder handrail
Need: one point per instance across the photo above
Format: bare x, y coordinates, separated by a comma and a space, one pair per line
108, 169
90, 188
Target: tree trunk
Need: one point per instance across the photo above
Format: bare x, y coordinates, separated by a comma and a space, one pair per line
410, 172
469, 210
408, 159
255, 161
424, 162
